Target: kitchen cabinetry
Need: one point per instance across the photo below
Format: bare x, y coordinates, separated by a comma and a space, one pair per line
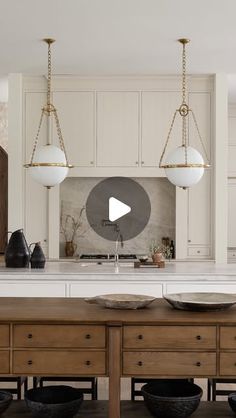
112, 127
76, 112
157, 112
117, 129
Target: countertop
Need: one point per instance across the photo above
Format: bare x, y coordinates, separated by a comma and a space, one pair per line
70, 269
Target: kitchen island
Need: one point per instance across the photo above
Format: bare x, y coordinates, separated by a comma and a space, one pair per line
62, 336
73, 279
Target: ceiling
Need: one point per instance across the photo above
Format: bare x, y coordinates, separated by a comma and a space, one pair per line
117, 37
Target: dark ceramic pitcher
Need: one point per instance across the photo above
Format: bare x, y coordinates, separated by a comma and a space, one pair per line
37, 259
17, 252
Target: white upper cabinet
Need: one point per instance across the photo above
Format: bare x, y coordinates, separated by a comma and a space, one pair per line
117, 129
35, 195
157, 112
76, 116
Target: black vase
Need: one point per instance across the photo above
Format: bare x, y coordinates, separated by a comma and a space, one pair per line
37, 259
17, 252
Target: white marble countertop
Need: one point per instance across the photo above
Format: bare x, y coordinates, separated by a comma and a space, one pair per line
205, 270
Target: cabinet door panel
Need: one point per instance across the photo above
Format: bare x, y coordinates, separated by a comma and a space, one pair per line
35, 194
200, 103
199, 212
76, 115
157, 111
4, 362
117, 129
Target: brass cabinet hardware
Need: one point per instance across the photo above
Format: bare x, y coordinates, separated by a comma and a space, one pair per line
30, 336
88, 362
198, 364
140, 363
30, 362
140, 337
87, 336
198, 337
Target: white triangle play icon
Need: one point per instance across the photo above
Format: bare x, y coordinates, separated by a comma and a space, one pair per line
117, 209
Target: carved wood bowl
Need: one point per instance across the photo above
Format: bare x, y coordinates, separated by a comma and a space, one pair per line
54, 401
201, 301
5, 400
121, 301
171, 399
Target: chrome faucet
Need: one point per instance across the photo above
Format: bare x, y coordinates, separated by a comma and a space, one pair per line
119, 237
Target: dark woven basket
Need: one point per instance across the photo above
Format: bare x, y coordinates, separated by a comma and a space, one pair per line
171, 399
5, 400
232, 401
54, 401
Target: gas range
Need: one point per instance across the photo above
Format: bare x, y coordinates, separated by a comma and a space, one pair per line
101, 258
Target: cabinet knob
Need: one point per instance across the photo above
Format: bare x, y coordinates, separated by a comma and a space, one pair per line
88, 362
142, 162
30, 336
198, 337
87, 336
140, 363
91, 162
30, 362
140, 337
136, 162
189, 240
198, 364
198, 251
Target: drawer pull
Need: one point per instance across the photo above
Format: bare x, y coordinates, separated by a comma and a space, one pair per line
88, 362
30, 336
87, 336
198, 364
30, 362
140, 363
140, 337
198, 337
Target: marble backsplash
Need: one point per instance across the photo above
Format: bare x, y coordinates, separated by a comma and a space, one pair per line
73, 196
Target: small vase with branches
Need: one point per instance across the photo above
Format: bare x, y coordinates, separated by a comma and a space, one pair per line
70, 226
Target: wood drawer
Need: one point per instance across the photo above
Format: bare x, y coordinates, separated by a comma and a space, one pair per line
169, 363
228, 364
186, 337
228, 337
4, 362
4, 335
82, 336
60, 362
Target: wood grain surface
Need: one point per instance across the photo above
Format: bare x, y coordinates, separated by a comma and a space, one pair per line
70, 310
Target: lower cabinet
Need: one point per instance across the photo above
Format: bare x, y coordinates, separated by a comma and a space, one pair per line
228, 364
59, 362
4, 362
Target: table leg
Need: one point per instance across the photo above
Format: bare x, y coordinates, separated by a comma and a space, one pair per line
114, 371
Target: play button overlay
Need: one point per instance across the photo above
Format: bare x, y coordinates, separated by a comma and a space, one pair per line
118, 208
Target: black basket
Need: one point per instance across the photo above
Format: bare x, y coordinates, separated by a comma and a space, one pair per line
5, 400
171, 399
54, 401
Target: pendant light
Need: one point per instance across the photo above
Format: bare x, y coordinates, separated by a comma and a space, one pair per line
184, 166
48, 163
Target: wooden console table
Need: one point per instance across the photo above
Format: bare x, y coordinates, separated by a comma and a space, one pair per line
60, 336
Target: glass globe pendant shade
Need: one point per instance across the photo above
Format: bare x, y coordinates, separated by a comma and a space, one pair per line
49, 166
181, 174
